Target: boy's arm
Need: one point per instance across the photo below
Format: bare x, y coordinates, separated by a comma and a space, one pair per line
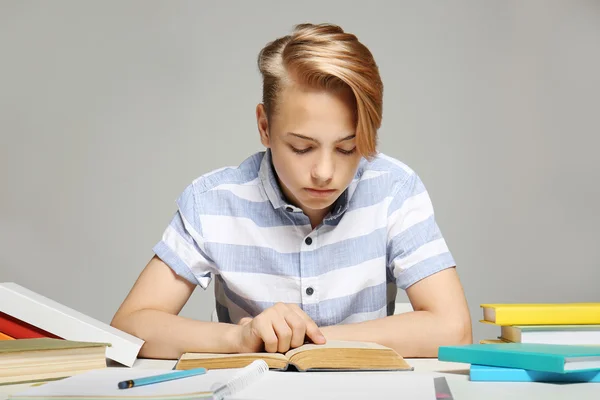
441, 317
150, 313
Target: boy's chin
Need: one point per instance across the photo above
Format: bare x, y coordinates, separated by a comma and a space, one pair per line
318, 204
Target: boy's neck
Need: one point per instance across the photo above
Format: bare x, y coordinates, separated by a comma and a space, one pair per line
316, 217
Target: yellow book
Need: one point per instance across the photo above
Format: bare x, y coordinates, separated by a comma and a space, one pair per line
333, 356
541, 314
4, 336
493, 341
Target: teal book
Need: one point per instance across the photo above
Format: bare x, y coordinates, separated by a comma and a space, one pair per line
556, 358
485, 373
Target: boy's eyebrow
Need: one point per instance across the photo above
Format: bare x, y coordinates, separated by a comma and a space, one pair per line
349, 137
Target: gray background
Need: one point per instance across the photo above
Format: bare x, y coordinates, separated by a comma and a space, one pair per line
109, 109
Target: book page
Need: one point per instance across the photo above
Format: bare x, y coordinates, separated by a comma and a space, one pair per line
336, 344
204, 356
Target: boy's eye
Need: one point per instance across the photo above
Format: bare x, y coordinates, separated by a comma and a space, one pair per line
347, 152
300, 151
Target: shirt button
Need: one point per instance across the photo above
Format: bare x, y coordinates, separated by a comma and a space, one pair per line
309, 291
289, 209
308, 241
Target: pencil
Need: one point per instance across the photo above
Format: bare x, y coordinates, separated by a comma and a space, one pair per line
160, 378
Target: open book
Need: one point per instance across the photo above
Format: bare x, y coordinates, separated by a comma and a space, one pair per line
332, 356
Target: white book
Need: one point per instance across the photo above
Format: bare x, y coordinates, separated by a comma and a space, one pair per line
552, 334
62, 321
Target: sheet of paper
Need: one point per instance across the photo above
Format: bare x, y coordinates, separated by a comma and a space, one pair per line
340, 385
273, 385
104, 382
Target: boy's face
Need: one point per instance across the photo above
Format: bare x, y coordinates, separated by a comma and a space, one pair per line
311, 137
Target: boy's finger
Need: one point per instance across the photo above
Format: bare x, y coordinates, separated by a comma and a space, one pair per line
298, 326
312, 330
283, 332
268, 336
314, 333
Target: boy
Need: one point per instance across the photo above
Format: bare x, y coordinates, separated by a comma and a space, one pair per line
311, 238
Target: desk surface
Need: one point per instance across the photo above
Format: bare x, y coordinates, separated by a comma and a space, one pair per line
456, 374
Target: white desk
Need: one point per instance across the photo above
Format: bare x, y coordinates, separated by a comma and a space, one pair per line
456, 375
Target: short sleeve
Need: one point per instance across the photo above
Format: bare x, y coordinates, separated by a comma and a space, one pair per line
415, 248
181, 245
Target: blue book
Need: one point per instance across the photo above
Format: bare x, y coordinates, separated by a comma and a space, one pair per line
485, 373
531, 356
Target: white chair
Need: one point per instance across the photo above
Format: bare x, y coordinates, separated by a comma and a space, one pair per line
399, 309
402, 308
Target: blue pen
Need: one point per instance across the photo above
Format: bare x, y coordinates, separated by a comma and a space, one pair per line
161, 378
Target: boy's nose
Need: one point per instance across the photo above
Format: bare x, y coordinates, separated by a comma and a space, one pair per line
323, 170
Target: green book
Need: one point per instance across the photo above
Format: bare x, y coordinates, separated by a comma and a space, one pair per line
39, 344
531, 356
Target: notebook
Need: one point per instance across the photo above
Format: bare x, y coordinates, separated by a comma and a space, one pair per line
532, 356
29, 360
486, 373
102, 384
334, 355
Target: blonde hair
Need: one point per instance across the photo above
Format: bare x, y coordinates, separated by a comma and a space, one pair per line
323, 56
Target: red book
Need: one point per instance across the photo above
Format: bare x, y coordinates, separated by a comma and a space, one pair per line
18, 329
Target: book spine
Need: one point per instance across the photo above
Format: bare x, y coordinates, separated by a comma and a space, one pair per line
535, 362
548, 316
484, 373
17, 329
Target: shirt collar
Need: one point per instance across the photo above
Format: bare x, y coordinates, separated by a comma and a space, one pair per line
268, 179
270, 183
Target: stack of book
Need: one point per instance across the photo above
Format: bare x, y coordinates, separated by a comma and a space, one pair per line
558, 323
26, 315
43, 359
13, 328
557, 342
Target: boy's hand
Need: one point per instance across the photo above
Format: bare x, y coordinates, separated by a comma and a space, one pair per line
278, 329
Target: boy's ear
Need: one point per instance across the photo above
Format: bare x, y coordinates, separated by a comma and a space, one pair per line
263, 125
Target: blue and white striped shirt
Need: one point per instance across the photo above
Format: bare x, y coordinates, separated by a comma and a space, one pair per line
235, 225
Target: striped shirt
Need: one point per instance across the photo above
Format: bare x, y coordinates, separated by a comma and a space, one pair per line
234, 225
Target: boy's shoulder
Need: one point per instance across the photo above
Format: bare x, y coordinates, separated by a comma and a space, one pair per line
396, 171
244, 173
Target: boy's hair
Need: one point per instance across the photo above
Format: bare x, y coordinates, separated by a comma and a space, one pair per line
323, 56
